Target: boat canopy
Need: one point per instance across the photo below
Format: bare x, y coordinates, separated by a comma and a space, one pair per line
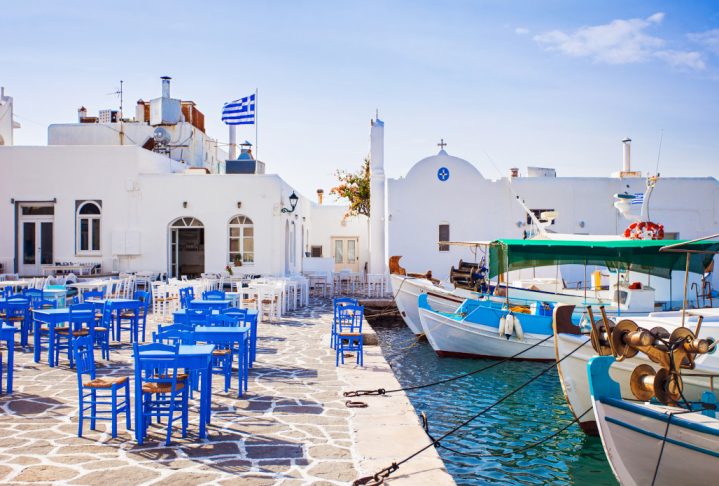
643, 256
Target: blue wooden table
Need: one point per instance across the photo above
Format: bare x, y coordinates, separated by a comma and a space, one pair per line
230, 335
118, 306
7, 334
251, 320
50, 317
210, 304
193, 358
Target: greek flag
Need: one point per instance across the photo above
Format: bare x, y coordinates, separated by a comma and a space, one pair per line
638, 198
239, 112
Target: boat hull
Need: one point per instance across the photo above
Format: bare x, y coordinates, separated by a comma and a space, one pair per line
642, 449
407, 290
573, 375
452, 336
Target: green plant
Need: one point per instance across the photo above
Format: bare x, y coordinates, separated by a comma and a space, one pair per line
354, 186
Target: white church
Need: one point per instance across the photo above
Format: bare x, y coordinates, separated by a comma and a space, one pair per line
155, 193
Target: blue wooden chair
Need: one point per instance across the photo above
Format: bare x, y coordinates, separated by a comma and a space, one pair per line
44, 331
136, 320
187, 295
158, 390
197, 317
35, 296
17, 311
102, 327
213, 295
93, 294
89, 391
65, 335
349, 333
337, 304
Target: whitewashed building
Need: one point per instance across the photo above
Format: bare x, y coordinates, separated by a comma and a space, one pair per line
446, 198
155, 193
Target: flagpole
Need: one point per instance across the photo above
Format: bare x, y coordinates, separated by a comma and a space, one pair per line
257, 149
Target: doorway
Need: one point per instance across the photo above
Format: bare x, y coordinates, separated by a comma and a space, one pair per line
187, 248
345, 253
35, 238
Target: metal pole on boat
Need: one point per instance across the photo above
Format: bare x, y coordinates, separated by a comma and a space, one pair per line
619, 298
686, 282
585, 281
507, 278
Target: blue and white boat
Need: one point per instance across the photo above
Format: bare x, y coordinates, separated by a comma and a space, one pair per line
652, 444
489, 329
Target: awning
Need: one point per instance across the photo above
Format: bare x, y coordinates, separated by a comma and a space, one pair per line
635, 255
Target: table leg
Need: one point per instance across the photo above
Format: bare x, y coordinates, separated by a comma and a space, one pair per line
253, 341
51, 345
10, 360
206, 394
36, 340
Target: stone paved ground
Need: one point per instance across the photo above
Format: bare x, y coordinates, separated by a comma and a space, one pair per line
291, 428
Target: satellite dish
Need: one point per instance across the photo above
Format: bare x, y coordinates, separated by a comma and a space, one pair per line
161, 136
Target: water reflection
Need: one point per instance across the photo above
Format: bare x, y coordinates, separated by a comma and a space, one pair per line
493, 440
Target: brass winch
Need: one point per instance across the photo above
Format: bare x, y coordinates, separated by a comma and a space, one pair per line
671, 351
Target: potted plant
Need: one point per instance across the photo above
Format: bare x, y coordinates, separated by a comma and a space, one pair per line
238, 260
228, 269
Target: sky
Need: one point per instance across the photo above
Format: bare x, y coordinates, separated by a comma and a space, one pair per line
504, 83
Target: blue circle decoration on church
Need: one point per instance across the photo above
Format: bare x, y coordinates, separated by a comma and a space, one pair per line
443, 174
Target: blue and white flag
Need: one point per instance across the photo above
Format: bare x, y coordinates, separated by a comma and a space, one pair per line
638, 198
239, 112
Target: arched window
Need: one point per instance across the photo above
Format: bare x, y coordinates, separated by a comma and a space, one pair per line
87, 233
242, 240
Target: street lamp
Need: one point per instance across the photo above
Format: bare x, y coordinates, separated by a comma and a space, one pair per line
293, 203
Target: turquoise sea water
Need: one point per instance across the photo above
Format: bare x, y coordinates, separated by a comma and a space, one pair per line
529, 416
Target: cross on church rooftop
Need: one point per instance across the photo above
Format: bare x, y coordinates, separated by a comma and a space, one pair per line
441, 144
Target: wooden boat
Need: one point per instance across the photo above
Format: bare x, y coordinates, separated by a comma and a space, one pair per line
652, 444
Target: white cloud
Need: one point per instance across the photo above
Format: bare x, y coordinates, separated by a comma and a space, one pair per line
521, 31
618, 42
682, 59
709, 39
656, 18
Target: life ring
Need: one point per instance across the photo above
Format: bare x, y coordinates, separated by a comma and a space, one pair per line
644, 230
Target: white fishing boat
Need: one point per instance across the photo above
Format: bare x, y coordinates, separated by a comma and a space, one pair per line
652, 444
486, 329
573, 368
406, 290
573, 348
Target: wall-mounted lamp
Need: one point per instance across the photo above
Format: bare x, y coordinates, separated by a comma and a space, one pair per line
582, 224
184, 204
239, 204
293, 203
519, 224
12, 200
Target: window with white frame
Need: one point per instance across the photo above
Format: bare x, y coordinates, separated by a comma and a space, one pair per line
242, 240
87, 231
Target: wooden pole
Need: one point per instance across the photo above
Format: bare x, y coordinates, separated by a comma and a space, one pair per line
686, 282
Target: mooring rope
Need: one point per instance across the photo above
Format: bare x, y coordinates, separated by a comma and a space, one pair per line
519, 450
382, 391
379, 477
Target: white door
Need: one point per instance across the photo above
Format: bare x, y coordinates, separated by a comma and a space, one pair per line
35, 239
345, 252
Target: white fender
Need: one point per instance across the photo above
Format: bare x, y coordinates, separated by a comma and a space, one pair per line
509, 325
518, 331
502, 324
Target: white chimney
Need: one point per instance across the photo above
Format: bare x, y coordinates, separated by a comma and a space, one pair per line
81, 113
140, 111
627, 162
166, 86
